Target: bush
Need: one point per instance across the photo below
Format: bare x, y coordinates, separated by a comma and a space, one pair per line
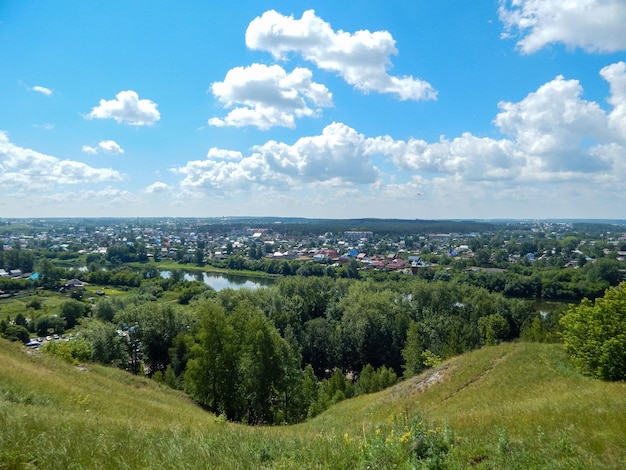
16, 333
74, 351
594, 334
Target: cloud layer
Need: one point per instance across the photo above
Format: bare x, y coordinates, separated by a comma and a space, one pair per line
28, 169
551, 136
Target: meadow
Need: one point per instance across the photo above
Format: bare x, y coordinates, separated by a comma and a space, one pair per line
516, 405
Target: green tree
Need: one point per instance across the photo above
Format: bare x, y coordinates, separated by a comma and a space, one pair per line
71, 311
412, 352
605, 269
45, 323
493, 328
49, 275
260, 365
210, 376
155, 326
14, 332
108, 345
594, 334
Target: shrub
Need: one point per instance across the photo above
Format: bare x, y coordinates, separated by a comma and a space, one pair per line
594, 334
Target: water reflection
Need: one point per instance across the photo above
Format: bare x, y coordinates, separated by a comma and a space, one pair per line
219, 281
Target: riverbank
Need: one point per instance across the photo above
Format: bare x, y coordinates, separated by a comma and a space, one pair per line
167, 265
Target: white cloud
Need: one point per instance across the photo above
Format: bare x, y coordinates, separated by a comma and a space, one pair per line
360, 58
553, 136
615, 74
552, 123
127, 108
223, 154
89, 150
157, 188
556, 151
339, 155
267, 96
48, 126
592, 25
30, 169
43, 90
110, 146
104, 198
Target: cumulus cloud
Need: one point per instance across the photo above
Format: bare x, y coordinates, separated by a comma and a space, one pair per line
592, 25
110, 146
107, 146
157, 188
552, 135
43, 90
550, 142
362, 58
127, 108
267, 96
615, 74
339, 154
25, 167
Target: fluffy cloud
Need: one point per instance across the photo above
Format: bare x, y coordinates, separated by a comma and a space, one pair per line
107, 146
361, 58
110, 146
43, 90
553, 135
593, 25
157, 188
552, 141
28, 168
267, 96
339, 155
127, 108
615, 74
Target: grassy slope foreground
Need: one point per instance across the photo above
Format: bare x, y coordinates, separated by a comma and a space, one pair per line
511, 406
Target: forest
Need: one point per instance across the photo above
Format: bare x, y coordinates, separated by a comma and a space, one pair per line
285, 353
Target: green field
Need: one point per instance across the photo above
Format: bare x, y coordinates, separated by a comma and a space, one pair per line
511, 406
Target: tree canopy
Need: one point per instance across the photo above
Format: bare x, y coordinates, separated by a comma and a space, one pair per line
594, 334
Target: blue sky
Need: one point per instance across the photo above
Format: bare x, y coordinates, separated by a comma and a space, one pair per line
405, 109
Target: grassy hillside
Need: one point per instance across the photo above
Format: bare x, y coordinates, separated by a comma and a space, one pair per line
510, 406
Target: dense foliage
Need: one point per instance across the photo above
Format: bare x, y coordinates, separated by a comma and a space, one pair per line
287, 352
594, 334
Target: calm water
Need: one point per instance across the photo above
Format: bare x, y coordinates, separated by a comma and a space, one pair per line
219, 281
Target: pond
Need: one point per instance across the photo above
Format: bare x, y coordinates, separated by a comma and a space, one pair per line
219, 281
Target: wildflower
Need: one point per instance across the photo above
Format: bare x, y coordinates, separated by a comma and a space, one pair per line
405, 437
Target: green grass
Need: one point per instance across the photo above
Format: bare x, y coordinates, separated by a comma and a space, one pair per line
18, 304
510, 406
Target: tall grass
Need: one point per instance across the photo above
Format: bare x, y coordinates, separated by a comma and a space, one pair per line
510, 406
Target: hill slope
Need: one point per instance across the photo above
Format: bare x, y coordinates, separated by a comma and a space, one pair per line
515, 405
